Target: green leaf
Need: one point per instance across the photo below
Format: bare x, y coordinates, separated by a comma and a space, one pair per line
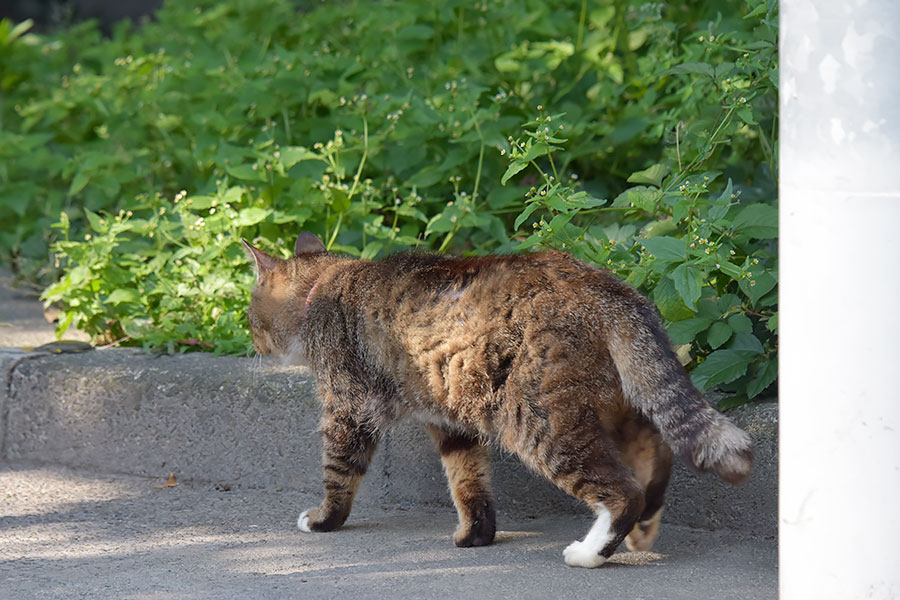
538, 149
443, 222
666, 248
584, 200
291, 155
746, 115
79, 182
513, 168
247, 172
731, 269
559, 221
766, 375
137, 327
740, 323
757, 11
684, 332
16, 201
525, 214
251, 216
718, 334
416, 32
657, 228
720, 206
652, 176
757, 285
427, 176
640, 196
693, 68
722, 366
746, 342
98, 223
65, 321
727, 302
628, 128
688, 281
371, 250
11, 35
340, 200
409, 211
201, 202
669, 301
507, 63
759, 221
505, 197
123, 295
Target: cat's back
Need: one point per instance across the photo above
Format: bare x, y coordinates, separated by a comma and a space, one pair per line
426, 271
417, 282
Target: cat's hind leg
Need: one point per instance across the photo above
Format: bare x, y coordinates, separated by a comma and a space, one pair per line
576, 454
347, 449
654, 477
616, 499
467, 465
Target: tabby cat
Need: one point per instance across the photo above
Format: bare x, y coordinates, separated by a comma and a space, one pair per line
559, 362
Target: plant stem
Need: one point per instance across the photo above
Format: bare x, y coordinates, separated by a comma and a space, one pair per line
287, 125
552, 166
337, 228
591, 211
581, 20
362, 161
480, 159
678, 145
359, 169
534, 164
393, 232
446, 241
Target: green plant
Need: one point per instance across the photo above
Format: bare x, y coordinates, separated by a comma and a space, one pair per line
397, 125
705, 258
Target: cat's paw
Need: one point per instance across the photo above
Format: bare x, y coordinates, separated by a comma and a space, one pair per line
480, 533
643, 535
303, 521
319, 520
580, 554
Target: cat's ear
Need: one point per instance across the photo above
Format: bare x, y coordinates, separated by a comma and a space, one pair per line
308, 243
264, 263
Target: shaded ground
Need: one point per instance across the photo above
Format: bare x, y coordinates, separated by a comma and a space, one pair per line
22, 321
70, 534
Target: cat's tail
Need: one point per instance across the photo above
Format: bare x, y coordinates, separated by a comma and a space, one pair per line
656, 384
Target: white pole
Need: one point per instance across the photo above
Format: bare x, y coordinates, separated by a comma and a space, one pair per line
839, 506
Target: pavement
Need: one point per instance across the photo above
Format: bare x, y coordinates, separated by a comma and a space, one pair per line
88, 441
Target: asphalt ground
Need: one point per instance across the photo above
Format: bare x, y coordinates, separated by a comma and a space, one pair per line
72, 534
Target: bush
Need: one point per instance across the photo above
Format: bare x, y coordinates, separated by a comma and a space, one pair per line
639, 136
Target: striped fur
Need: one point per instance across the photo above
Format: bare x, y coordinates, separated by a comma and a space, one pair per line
559, 362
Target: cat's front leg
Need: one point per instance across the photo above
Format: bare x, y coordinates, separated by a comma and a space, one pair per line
347, 449
467, 464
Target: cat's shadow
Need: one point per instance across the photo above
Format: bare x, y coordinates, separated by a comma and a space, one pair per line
509, 538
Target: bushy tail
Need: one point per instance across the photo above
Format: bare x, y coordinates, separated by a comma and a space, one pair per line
656, 384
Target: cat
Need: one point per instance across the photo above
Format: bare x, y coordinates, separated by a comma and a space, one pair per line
561, 363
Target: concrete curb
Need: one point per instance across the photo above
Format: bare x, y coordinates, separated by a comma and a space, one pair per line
224, 421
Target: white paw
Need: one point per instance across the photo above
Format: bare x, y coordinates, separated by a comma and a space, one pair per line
580, 554
303, 522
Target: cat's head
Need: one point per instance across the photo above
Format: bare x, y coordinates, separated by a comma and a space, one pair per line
278, 303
